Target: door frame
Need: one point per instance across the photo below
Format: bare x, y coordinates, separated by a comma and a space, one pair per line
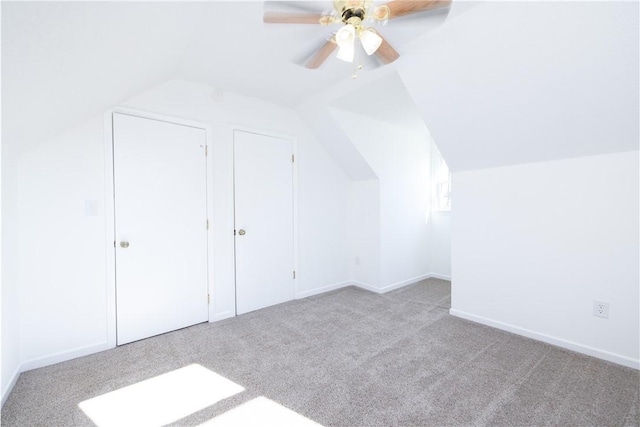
294, 147
109, 206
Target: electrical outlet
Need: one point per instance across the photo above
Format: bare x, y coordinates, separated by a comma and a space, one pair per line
601, 309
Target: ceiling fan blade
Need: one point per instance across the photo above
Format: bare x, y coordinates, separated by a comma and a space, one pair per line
322, 54
400, 8
291, 18
386, 53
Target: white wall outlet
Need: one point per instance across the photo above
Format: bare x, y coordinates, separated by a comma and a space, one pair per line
601, 309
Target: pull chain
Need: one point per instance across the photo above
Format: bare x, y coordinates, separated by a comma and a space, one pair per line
357, 64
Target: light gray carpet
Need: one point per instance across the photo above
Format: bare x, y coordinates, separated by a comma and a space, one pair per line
354, 358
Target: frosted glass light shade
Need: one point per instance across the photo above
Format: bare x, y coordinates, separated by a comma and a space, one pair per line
371, 41
346, 40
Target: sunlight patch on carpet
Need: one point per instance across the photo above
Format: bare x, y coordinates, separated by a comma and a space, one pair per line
160, 400
260, 412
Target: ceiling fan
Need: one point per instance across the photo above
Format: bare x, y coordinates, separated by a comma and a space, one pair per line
354, 16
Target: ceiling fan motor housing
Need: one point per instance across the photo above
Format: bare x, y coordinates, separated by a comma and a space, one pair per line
347, 14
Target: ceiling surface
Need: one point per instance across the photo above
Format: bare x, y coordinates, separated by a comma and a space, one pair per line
496, 83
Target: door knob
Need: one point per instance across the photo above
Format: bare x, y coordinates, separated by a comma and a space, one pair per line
242, 232
124, 244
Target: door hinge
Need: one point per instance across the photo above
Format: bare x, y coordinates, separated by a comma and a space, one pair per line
114, 243
208, 299
293, 158
294, 274
206, 150
207, 223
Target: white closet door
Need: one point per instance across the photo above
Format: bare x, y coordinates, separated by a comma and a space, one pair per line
263, 220
161, 228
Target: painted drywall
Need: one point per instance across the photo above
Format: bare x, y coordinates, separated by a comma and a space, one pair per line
505, 83
364, 232
440, 244
59, 247
10, 353
400, 159
534, 245
60, 252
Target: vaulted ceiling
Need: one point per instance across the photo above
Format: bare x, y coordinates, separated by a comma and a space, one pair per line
496, 83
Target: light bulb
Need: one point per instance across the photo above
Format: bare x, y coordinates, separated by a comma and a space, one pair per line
371, 41
346, 38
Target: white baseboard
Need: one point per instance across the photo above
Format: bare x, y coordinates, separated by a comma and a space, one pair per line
560, 342
404, 283
366, 286
63, 356
440, 276
221, 316
311, 292
10, 385
399, 285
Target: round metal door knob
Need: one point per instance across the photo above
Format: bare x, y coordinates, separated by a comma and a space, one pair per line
124, 244
242, 232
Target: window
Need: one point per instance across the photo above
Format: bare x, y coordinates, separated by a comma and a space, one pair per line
441, 178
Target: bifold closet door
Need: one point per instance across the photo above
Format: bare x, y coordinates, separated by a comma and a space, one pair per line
160, 226
263, 181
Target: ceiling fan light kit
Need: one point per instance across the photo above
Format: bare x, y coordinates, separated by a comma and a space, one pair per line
351, 14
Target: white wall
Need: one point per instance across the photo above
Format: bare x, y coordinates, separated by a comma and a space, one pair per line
364, 232
10, 343
60, 290
61, 250
534, 245
440, 244
399, 157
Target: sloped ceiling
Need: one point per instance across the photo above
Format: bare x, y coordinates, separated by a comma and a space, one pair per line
515, 82
497, 83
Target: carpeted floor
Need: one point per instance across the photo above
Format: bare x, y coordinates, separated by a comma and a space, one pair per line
346, 358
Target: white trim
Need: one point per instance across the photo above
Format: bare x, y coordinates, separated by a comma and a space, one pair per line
366, 287
208, 130
160, 117
221, 316
109, 207
64, 356
439, 276
398, 285
560, 342
110, 233
323, 289
9, 388
404, 283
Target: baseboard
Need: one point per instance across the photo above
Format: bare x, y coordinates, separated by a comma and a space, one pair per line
221, 316
7, 391
404, 283
311, 292
440, 276
560, 342
64, 356
366, 286
396, 285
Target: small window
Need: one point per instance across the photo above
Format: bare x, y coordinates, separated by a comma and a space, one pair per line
441, 178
